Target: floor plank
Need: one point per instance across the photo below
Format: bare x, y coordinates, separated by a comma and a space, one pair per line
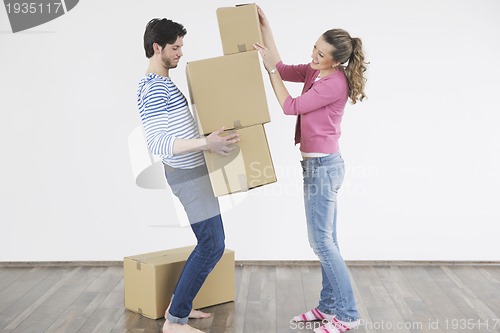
384, 313
418, 298
290, 298
40, 312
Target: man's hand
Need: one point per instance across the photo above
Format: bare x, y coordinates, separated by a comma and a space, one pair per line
222, 145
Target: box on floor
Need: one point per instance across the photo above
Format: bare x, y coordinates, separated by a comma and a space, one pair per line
150, 279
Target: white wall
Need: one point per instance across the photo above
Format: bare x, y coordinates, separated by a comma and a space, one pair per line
421, 153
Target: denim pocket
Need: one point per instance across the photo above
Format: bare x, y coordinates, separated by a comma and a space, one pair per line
336, 175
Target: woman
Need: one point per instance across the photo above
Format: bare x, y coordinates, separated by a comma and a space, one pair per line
328, 84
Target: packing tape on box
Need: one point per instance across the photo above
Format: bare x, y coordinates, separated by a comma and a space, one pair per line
242, 48
237, 124
138, 265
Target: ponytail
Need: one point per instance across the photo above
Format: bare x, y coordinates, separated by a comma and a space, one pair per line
355, 70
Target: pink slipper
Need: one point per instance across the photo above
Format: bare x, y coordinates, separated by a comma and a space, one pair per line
313, 315
337, 326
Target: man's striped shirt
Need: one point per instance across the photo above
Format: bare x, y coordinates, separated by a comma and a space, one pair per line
165, 116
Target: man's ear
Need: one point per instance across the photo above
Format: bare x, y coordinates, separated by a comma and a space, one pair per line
156, 48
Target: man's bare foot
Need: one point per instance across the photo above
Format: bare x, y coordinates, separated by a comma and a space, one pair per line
194, 314
169, 327
197, 314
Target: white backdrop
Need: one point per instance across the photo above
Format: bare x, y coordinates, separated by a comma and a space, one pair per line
421, 153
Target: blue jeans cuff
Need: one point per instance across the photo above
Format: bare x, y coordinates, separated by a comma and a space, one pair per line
177, 320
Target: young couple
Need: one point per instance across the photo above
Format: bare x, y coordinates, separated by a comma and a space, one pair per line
334, 75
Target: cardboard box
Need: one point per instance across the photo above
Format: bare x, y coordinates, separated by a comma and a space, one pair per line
239, 28
247, 167
150, 280
227, 91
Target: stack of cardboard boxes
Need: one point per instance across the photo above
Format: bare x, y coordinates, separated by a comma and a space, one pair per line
225, 91
228, 91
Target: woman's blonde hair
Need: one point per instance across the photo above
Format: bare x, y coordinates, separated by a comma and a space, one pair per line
349, 50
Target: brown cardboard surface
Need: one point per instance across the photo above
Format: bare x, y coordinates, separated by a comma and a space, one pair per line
247, 167
227, 91
239, 28
150, 279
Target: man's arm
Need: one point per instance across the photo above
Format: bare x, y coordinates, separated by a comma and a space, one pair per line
214, 142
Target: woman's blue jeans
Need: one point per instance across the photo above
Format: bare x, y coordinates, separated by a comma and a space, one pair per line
323, 177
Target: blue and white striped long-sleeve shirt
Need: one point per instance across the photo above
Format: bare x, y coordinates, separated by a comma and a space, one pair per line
165, 116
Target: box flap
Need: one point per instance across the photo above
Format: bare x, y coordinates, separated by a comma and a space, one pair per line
173, 255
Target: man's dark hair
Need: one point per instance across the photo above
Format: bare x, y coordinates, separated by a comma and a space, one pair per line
162, 32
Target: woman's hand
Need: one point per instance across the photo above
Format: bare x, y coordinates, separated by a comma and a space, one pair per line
268, 58
264, 23
267, 49
271, 57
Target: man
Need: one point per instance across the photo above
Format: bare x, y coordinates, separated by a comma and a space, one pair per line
172, 133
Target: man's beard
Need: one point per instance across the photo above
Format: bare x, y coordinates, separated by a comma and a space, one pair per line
170, 64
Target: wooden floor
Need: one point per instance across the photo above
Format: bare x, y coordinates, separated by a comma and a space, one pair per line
391, 298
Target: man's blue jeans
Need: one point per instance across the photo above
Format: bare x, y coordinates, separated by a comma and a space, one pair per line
193, 188
323, 177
